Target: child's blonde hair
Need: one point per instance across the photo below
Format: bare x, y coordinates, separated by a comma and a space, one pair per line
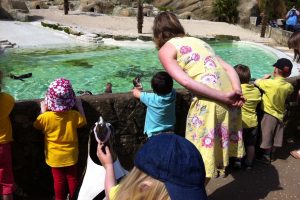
139, 186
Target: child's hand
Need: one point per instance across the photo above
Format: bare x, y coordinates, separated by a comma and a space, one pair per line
136, 92
44, 107
105, 158
267, 76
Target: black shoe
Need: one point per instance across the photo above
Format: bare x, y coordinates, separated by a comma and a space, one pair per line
273, 157
265, 159
248, 165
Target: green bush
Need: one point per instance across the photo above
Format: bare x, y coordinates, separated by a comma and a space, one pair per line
226, 10
165, 8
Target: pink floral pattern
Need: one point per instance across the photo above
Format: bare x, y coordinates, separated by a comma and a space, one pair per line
209, 62
197, 121
207, 141
209, 79
195, 57
60, 95
235, 137
185, 49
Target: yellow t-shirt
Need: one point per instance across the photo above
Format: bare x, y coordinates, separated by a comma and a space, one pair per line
7, 103
61, 142
275, 92
253, 97
113, 192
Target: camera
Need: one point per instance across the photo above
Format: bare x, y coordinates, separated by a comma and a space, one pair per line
137, 82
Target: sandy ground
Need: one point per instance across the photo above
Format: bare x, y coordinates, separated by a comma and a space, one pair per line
128, 25
278, 181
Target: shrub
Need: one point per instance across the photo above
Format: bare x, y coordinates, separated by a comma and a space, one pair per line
226, 10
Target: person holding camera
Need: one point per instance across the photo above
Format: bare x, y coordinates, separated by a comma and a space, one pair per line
291, 19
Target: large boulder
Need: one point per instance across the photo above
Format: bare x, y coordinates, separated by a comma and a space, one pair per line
124, 11
99, 6
244, 9
194, 9
16, 10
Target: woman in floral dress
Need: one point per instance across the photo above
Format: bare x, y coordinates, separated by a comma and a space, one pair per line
214, 118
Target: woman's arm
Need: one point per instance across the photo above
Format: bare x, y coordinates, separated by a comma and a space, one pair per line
167, 56
234, 78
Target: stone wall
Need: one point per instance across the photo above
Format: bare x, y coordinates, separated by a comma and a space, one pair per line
125, 113
279, 35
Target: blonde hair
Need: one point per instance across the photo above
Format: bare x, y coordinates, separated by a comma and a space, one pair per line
139, 186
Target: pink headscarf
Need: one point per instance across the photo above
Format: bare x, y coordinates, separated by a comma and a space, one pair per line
60, 96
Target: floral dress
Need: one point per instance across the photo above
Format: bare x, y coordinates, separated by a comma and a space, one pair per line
214, 128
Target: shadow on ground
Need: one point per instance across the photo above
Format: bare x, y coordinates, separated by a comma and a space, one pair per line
248, 184
33, 18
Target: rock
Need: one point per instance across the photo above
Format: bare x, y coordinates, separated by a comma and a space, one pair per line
38, 5
123, 37
91, 38
227, 37
200, 9
185, 15
124, 11
145, 38
16, 10
98, 6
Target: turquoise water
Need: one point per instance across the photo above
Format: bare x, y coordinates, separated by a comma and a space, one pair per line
90, 68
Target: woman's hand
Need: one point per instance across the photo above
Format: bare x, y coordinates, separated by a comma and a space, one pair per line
234, 98
105, 158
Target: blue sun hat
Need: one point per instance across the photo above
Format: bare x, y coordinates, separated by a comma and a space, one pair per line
177, 163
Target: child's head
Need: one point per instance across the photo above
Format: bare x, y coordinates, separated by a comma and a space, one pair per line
166, 26
162, 83
60, 96
108, 88
166, 167
283, 67
243, 72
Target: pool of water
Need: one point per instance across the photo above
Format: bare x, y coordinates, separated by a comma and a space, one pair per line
90, 68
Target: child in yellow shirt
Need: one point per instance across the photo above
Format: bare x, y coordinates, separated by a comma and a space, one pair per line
275, 92
59, 124
7, 185
249, 116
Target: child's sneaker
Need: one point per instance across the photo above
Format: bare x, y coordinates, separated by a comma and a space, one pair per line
237, 164
248, 165
265, 158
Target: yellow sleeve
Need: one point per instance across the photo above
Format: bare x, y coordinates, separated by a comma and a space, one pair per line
81, 121
38, 123
261, 83
113, 191
8, 103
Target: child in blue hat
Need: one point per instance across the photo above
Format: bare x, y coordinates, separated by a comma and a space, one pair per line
167, 167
